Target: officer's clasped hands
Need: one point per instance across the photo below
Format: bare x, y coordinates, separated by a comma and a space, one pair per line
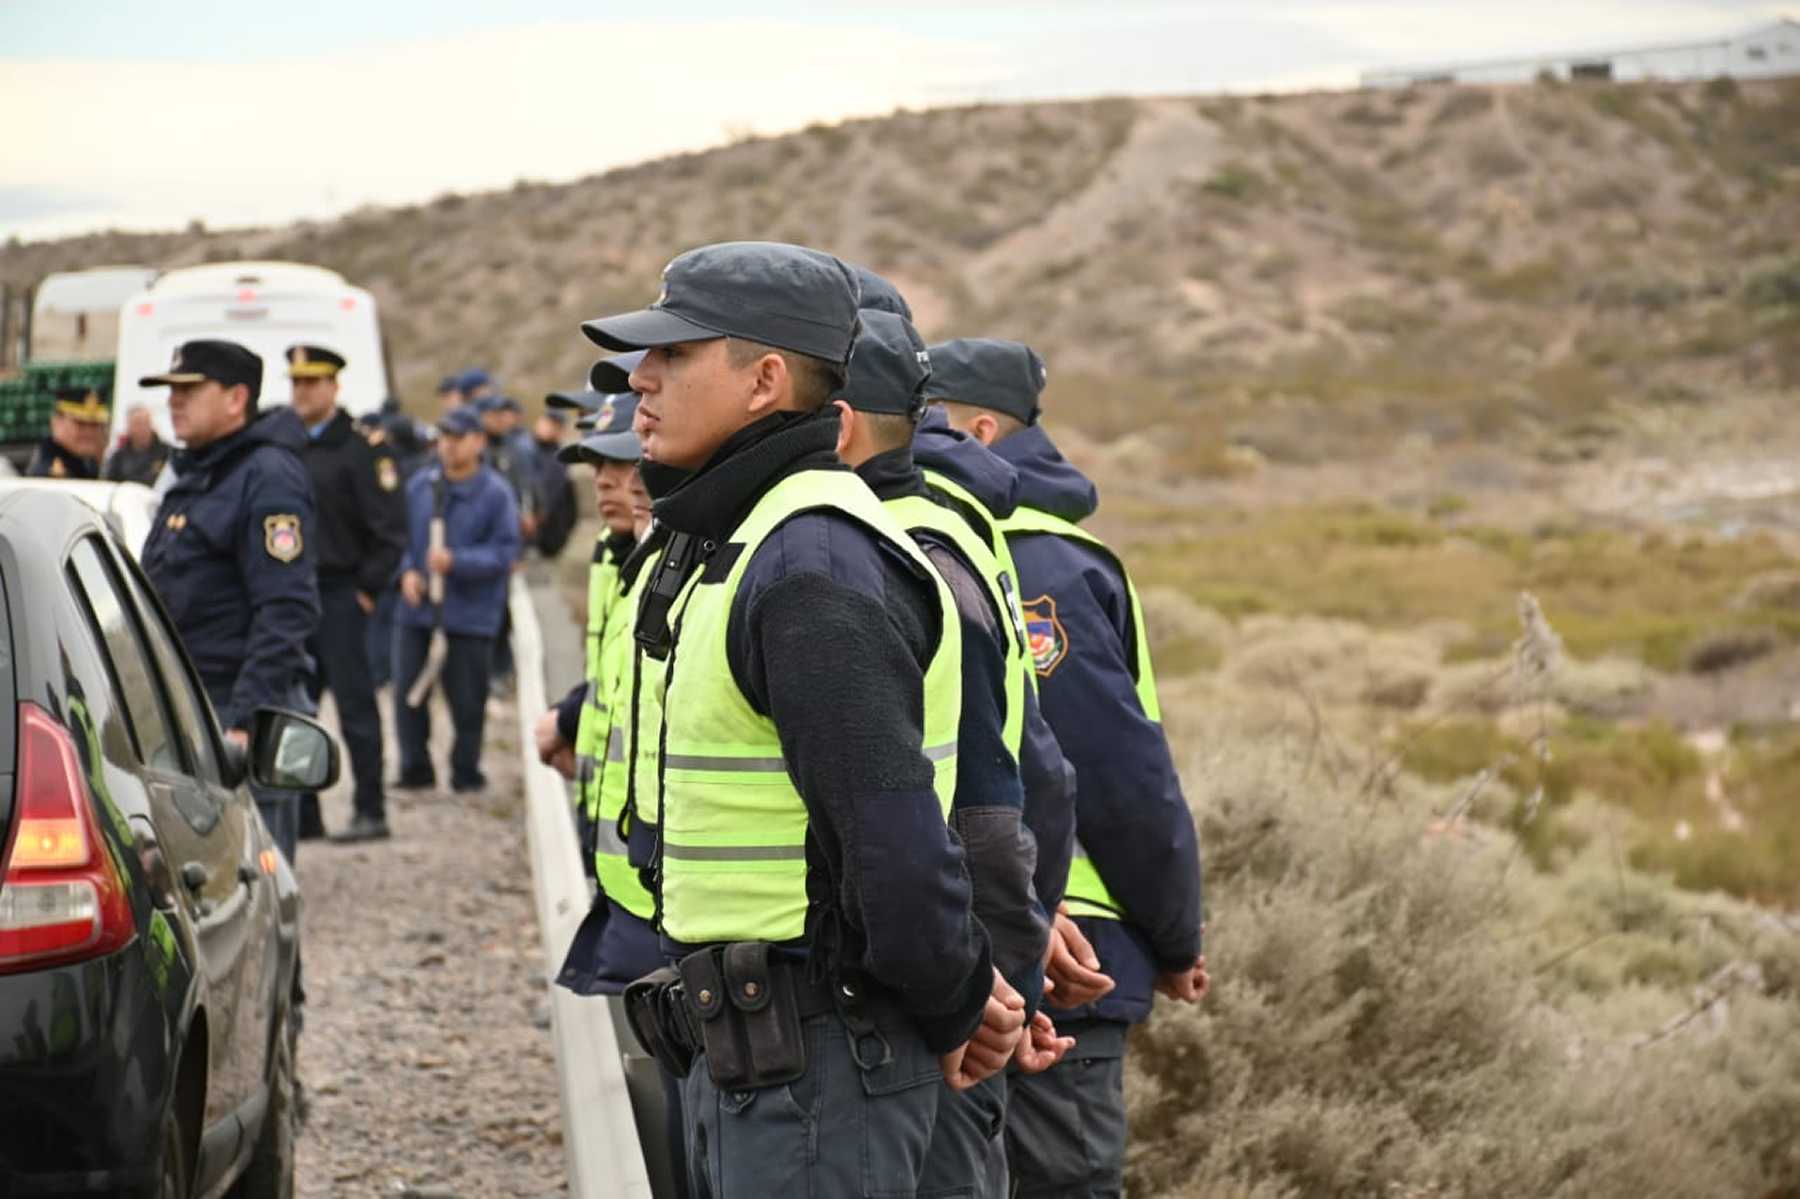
992, 1046
1041, 1048
1072, 971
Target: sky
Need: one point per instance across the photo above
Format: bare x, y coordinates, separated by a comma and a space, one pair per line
125, 114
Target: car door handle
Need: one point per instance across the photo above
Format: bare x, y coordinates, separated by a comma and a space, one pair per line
195, 875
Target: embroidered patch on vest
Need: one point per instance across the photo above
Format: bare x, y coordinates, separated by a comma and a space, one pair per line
1044, 635
281, 537
387, 474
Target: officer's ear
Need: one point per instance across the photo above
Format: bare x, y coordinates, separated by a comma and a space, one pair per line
771, 384
846, 426
237, 400
984, 428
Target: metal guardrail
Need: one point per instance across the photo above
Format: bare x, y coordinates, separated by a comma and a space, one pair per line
600, 1134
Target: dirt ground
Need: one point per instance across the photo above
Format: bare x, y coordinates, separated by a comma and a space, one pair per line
427, 1058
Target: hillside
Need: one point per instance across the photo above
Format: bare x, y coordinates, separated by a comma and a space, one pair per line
1313, 276
1491, 912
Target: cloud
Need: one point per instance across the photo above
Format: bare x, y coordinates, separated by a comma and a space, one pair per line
265, 141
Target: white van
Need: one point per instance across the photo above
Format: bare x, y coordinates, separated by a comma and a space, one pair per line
75, 314
267, 306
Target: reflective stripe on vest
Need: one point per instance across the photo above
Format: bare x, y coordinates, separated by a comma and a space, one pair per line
1087, 894
920, 514
734, 826
618, 878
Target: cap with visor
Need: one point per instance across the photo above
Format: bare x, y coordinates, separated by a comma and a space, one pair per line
788, 297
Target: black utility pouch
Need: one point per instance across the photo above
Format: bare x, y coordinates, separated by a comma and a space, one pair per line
749, 1015
650, 1004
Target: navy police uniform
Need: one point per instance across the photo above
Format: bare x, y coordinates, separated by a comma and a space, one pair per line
53, 460
231, 552
830, 633
887, 376
1066, 1127
361, 535
481, 528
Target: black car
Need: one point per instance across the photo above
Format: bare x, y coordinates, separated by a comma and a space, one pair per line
149, 928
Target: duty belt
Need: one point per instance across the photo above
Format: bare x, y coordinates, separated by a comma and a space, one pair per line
671, 1010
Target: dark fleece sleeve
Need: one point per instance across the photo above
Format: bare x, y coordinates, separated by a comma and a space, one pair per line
383, 512
988, 808
283, 594
1130, 813
829, 634
568, 712
1049, 782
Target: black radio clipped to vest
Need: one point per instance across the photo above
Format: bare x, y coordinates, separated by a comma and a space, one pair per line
652, 631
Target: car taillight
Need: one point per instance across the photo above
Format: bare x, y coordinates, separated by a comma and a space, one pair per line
61, 897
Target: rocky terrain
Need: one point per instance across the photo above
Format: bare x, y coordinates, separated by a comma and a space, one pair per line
427, 1059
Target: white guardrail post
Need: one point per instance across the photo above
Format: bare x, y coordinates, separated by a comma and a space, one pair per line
599, 1131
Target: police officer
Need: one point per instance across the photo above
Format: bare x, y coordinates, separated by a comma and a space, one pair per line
1134, 888
612, 450
587, 736
481, 546
361, 535
512, 454
796, 692
880, 406
140, 456
232, 548
77, 437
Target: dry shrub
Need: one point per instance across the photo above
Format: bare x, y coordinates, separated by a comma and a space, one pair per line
1778, 590
1713, 653
1606, 687
1380, 1025
1333, 662
1187, 637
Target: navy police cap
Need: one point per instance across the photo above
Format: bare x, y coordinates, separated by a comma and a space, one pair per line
784, 296
613, 375
889, 367
611, 435
459, 422
586, 400
879, 294
224, 362
313, 362
1005, 376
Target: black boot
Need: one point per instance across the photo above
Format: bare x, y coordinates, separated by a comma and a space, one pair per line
362, 828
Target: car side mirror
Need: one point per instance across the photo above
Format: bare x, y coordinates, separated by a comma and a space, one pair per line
289, 752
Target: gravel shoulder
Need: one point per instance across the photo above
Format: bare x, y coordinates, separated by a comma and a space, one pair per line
427, 1057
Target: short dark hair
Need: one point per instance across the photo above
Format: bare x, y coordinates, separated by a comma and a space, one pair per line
816, 381
1007, 422
891, 430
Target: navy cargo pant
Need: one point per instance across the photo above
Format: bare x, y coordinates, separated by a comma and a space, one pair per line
857, 1123
1065, 1128
967, 1158
465, 686
341, 649
280, 809
381, 636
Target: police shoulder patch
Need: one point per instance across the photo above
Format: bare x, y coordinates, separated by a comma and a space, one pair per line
1045, 636
281, 537
386, 473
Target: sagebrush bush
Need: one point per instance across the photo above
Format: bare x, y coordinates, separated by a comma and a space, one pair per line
1387, 1018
